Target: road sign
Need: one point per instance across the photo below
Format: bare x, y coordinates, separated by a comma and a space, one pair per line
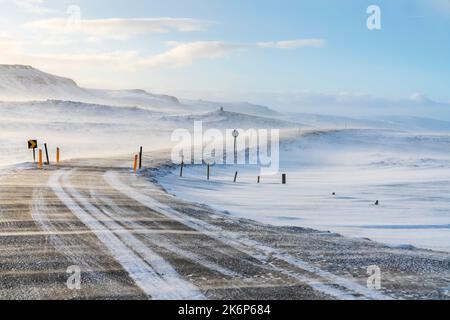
235, 135
32, 144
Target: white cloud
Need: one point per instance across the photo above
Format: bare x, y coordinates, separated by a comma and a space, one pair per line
178, 54
292, 44
109, 60
13, 52
183, 54
33, 6
119, 28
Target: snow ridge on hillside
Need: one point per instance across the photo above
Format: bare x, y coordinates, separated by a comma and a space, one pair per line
22, 82
226, 119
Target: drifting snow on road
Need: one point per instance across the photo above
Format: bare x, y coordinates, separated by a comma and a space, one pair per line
153, 275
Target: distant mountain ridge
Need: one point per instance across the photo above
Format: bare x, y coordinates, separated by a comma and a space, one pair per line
20, 82
25, 83
239, 107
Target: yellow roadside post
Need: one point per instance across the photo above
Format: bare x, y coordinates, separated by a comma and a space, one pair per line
57, 155
135, 163
40, 159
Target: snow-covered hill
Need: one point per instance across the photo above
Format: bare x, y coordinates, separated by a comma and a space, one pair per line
239, 107
72, 112
92, 130
228, 120
25, 82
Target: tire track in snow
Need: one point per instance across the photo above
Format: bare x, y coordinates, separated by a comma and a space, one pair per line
352, 289
62, 241
154, 276
158, 241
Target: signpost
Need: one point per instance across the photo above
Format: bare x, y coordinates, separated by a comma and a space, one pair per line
46, 154
32, 145
182, 165
235, 135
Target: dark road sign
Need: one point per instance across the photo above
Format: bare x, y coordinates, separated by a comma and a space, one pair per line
32, 144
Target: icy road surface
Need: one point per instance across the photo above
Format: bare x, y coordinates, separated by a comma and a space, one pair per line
132, 240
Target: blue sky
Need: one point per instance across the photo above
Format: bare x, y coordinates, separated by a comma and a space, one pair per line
234, 48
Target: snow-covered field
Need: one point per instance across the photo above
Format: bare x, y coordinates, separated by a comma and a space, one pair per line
409, 174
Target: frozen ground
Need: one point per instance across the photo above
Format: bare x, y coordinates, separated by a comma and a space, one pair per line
408, 173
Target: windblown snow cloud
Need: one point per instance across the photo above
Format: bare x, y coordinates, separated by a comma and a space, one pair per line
120, 28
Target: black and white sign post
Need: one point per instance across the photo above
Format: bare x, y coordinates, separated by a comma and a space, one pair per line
235, 135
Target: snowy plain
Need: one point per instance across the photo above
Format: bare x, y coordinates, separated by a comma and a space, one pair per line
409, 174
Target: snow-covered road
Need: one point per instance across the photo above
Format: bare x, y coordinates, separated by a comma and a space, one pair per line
133, 240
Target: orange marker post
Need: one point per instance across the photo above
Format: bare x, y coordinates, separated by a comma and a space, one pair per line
57, 155
135, 163
40, 159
